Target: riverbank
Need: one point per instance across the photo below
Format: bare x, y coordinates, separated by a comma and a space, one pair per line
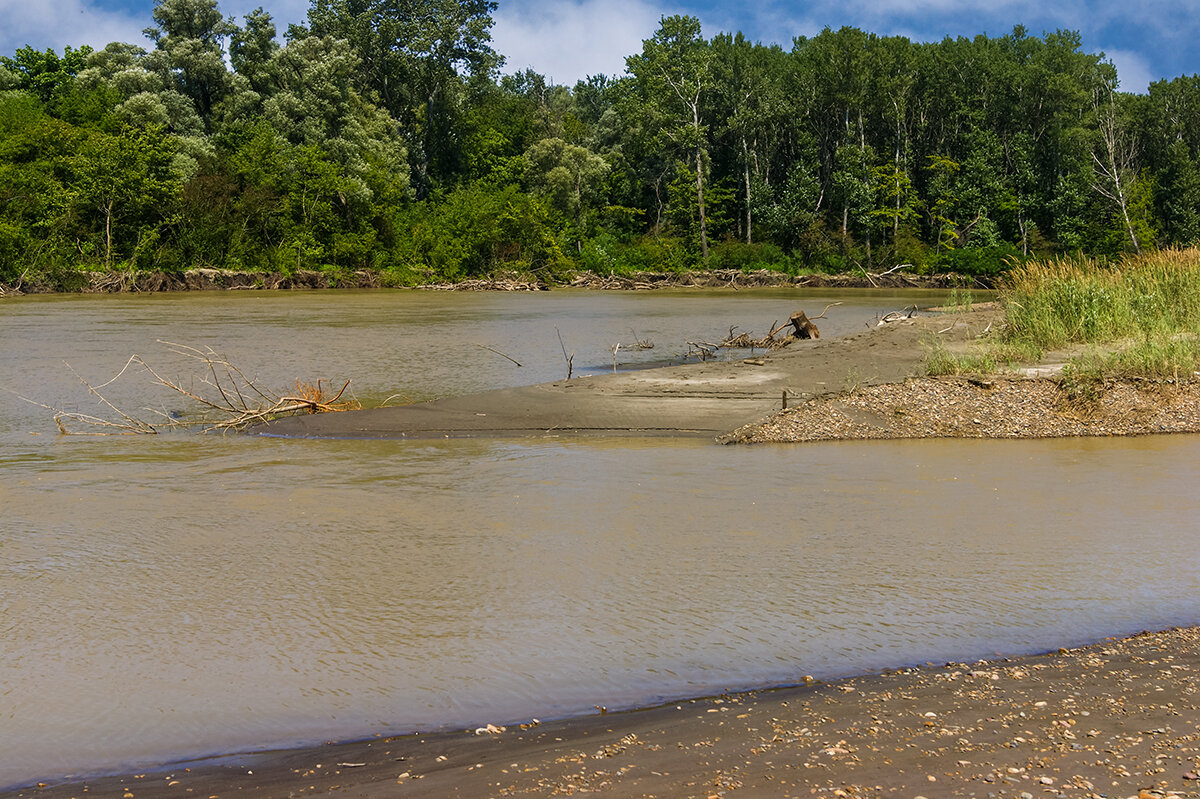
869, 385
699, 399
1118, 718
992, 407
230, 280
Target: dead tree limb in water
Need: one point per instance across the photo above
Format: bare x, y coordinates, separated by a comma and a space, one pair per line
231, 401
570, 359
498, 352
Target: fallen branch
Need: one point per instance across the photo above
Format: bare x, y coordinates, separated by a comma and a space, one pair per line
498, 352
821, 315
897, 316
893, 269
233, 401
866, 274
703, 349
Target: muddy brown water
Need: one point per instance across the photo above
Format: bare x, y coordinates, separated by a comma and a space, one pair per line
172, 596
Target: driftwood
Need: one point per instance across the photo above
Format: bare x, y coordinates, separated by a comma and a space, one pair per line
803, 326
702, 350
488, 284
897, 316
227, 399
204, 279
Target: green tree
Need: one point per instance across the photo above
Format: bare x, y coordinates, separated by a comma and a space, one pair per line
415, 56
35, 150
313, 103
673, 75
123, 185
189, 51
251, 49
749, 98
45, 74
567, 177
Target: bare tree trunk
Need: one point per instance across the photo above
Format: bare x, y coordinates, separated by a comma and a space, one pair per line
746, 174
896, 218
108, 235
700, 203
700, 180
1115, 169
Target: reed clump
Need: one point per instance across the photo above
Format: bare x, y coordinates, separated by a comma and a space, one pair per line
1056, 303
1137, 317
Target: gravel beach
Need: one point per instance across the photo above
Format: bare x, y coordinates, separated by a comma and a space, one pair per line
995, 407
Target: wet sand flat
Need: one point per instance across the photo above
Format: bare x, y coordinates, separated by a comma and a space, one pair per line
695, 399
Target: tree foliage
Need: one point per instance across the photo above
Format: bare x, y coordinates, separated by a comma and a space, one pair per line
379, 135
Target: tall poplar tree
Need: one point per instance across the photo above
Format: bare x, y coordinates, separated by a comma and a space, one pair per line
673, 75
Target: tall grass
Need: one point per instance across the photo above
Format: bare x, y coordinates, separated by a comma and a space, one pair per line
1150, 304
1055, 303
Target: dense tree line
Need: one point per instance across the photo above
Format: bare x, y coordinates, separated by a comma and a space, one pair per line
381, 135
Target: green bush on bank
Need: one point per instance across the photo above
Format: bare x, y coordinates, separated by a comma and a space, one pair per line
987, 262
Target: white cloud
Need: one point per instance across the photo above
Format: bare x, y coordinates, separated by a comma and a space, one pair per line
567, 41
56, 23
1133, 70
283, 12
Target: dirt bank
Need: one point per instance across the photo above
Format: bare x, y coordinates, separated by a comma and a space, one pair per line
203, 279
1117, 719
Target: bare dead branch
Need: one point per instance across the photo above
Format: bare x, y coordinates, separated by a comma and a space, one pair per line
827, 307
130, 422
498, 352
228, 405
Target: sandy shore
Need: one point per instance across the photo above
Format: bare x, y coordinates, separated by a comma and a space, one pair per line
699, 399
1116, 719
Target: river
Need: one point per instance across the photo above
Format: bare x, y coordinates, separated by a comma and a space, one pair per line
172, 596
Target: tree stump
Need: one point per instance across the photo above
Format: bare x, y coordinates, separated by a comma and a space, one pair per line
803, 326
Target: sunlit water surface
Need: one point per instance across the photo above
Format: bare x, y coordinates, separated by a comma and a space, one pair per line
170, 596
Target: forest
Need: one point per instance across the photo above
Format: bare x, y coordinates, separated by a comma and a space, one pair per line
383, 135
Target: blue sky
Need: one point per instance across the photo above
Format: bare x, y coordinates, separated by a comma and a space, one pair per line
569, 39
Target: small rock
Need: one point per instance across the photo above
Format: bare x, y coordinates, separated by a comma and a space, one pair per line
490, 729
